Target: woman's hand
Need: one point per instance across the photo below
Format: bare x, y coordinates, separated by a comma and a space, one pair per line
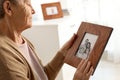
68, 45
84, 70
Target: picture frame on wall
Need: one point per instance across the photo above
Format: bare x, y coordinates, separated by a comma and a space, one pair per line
52, 10
90, 44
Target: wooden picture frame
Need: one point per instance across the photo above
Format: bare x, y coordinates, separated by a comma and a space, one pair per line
52, 10
91, 34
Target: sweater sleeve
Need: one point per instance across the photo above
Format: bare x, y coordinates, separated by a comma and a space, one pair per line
53, 67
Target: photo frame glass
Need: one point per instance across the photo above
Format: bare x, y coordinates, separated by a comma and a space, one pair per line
51, 10
86, 46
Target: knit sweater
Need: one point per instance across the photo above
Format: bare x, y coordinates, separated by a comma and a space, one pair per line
14, 66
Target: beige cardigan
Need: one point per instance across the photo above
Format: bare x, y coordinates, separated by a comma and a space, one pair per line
13, 66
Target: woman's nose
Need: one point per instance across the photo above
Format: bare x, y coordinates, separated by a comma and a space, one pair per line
33, 11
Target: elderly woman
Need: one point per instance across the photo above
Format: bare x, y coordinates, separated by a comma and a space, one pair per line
18, 60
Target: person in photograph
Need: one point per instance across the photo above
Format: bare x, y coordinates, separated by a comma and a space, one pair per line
87, 46
18, 58
84, 50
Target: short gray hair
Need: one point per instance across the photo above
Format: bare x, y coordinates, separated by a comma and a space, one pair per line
2, 12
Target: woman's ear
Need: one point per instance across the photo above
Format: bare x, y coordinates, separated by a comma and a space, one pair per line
7, 7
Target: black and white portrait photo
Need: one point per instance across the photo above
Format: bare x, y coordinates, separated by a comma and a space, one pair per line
86, 46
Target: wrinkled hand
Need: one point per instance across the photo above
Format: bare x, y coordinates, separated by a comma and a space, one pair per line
84, 71
67, 45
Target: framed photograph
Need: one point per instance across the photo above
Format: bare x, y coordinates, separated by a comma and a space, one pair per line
90, 44
52, 10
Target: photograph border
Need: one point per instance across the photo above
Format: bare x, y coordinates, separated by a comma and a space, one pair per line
103, 33
86, 45
54, 16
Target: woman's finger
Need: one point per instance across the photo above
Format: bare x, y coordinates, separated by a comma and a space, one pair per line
72, 39
87, 67
90, 71
82, 65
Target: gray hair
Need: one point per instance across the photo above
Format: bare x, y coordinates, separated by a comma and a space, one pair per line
2, 12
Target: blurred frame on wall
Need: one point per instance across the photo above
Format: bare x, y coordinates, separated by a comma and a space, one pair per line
52, 10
